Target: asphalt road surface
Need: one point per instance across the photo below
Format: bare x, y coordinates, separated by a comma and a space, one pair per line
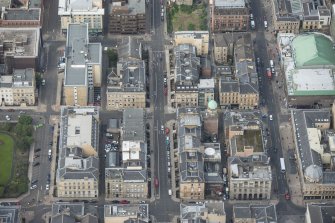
163, 208
267, 94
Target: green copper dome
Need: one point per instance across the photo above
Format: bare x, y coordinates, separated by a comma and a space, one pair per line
212, 105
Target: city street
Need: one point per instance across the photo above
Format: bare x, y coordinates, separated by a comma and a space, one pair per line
163, 208
266, 92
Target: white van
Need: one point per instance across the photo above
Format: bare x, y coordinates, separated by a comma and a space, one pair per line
265, 24
271, 64
252, 23
170, 192
251, 17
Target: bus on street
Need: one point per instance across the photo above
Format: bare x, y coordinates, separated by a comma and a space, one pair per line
282, 165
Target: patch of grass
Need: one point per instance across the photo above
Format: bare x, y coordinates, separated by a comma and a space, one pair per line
185, 17
6, 154
22, 134
250, 139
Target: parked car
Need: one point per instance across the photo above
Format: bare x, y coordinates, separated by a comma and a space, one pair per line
34, 182
162, 127
47, 187
287, 196
33, 187
7, 118
36, 164
115, 202
271, 117
124, 202
38, 149
36, 156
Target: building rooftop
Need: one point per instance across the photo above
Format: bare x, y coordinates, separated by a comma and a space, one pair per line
34, 3
79, 54
133, 7
23, 42
22, 14
76, 209
251, 168
229, 86
307, 137
206, 84
133, 125
195, 35
131, 77
20, 78
187, 65
227, 39
136, 212
260, 213
288, 10
251, 139
245, 67
6, 81
134, 155
196, 212
305, 82
5, 3
70, 212
10, 214
319, 53
324, 213
131, 48
230, 3
73, 163
191, 167
68, 7
249, 124
79, 127
23, 77
190, 150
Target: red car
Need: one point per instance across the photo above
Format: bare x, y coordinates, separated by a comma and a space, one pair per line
124, 202
287, 196
268, 72
165, 91
167, 131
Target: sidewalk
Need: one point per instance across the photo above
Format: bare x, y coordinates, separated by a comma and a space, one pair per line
57, 105
294, 181
54, 120
173, 161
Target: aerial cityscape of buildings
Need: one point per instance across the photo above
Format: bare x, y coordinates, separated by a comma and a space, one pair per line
184, 111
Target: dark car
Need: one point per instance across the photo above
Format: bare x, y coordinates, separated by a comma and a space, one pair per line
36, 164
115, 202
34, 182
37, 150
50, 143
124, 202
36, 156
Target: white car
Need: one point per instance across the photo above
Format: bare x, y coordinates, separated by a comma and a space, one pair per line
7, 118
270, 117
162, 127
33, 187
47, 187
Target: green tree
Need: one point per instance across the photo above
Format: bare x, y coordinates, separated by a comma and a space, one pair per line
191, 27
38, 79
112, 57
25, 120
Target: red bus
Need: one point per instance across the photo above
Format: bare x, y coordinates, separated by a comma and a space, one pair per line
268, 73
156, 182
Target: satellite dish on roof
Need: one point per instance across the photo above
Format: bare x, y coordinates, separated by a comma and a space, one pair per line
209, 151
